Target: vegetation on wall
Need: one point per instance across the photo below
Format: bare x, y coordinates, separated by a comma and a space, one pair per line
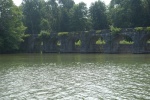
44, 35
62, 33
139, 29
148, 29
125, 42
100, 42
115, 30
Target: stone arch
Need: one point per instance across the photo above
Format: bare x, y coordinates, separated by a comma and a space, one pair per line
50, 45
32, 44
145, 41
122, 43
73, 44
95, 44
120, 37
126, 44
54, 44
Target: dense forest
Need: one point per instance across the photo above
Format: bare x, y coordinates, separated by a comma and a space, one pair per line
40, 16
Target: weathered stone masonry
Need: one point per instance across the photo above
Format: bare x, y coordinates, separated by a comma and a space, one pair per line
65, 43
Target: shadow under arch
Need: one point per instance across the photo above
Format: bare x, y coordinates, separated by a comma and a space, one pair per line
74, 44
145, 41
51, 46
123, 43
96, 44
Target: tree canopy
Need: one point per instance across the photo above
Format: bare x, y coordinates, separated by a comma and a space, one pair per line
38, 16
11, 27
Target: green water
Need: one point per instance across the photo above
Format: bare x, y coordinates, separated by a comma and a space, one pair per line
74, 77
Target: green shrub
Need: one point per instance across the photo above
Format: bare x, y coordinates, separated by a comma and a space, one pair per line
78, 43
100, 42
44, 35
115, 30
62, 33
139, 29
148, 29
125, 42
98, 31
58, 43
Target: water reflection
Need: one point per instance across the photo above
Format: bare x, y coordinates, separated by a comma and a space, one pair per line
74, 77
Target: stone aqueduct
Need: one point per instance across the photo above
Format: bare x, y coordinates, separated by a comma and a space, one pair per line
88, 42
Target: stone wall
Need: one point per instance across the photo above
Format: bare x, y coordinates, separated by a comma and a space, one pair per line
88, 42
125, 48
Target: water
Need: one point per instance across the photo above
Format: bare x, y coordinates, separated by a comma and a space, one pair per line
74, 77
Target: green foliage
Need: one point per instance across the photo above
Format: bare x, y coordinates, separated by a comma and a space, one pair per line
98, 15
148, 29
58, 43
24, 36
139, 29
45, 25
98, 31
32, 11
78, 43
44, 35
125, 42
62, 33
66, 16
78, 17
129, 13
100, 42
148, 41
45, 16
52, 13
11, 27
65, 7
115, 30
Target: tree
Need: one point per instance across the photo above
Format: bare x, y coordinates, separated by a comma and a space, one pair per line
32, 15
98, 15
65, 6
78, 17
146, 6
11, 27
128, 13
136, 12
45, 25
52, 14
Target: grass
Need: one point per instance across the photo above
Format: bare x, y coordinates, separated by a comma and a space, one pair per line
125, 42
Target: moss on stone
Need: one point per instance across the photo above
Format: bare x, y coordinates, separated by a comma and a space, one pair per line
62, 33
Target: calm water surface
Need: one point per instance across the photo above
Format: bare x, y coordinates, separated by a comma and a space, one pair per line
74, 77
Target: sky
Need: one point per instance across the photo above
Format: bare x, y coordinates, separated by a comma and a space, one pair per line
88, 2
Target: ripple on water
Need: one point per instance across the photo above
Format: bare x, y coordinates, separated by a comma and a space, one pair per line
76, 81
